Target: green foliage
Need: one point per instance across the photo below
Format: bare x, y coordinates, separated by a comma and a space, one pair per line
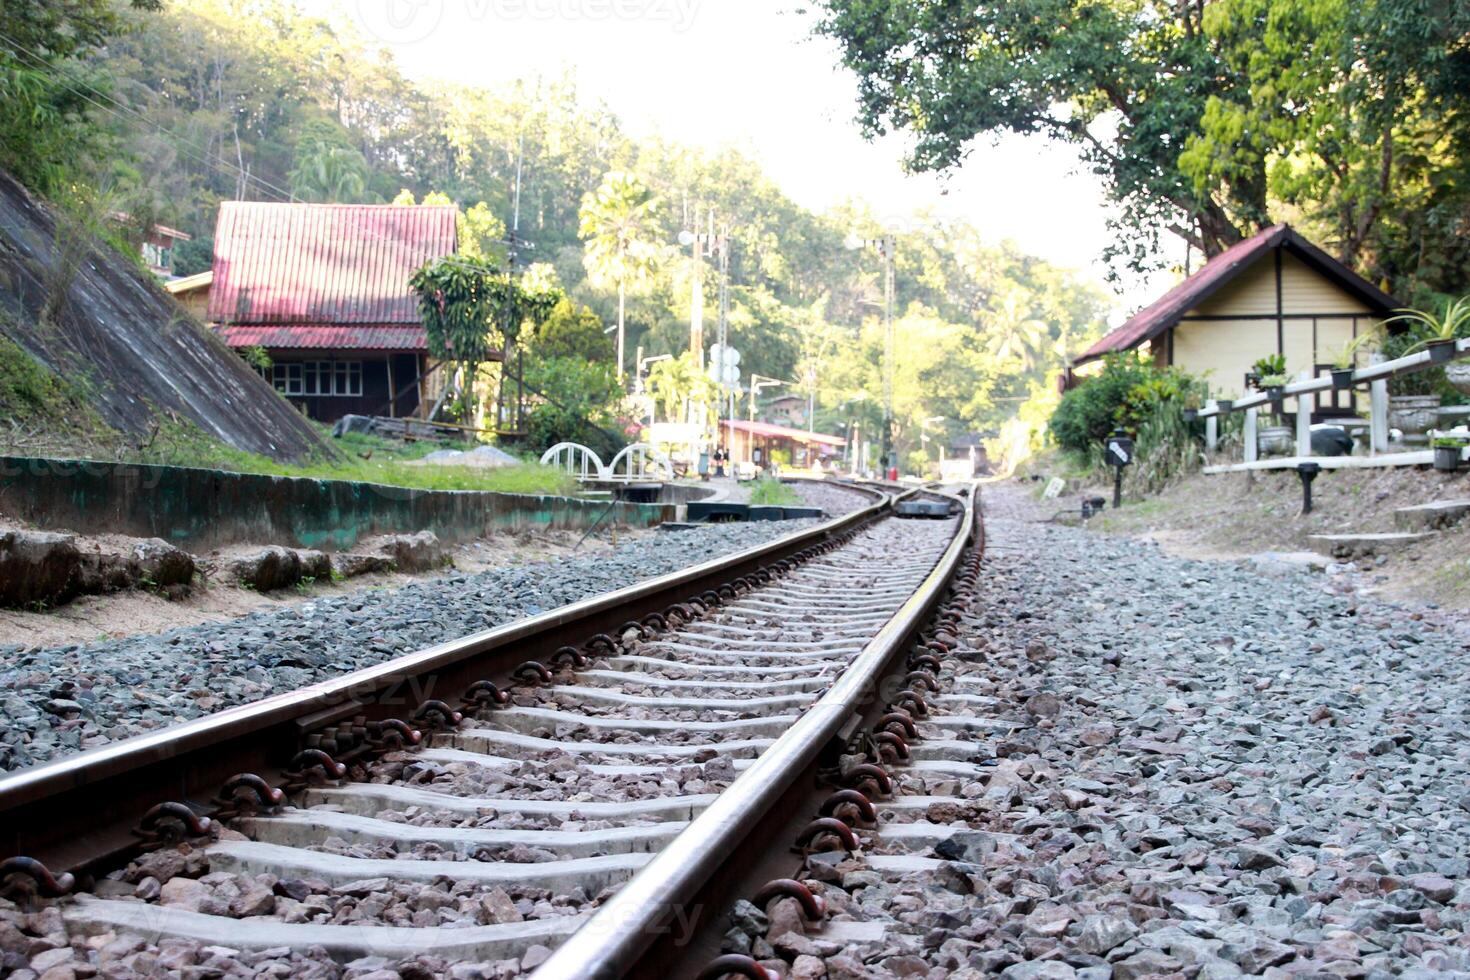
773, 493
256, 357
1147, 402
1089, 412
1206, 120
328, 170
576, 393
1269, 366
1426, 325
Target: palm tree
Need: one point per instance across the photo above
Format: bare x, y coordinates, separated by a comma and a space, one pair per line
328, 173
617, 224
1015, 333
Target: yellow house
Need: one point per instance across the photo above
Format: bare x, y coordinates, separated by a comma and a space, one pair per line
1274, 293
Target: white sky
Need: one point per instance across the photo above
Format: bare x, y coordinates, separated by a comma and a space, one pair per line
746, 73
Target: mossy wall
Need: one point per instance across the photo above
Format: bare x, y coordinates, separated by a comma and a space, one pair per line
201, 509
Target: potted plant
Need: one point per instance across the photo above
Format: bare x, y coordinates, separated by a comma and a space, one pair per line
1447, 451
1345, 359
1413, 403
1191, 406
1265, 370
1437, 332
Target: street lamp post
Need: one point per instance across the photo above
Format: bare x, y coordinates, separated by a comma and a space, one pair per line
884, 246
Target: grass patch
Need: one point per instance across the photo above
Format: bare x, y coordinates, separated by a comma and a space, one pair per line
773, 493
43, 413
357, 458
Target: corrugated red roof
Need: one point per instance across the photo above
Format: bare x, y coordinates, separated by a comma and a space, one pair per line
781, 431
323, 263
1167, 310
313, 336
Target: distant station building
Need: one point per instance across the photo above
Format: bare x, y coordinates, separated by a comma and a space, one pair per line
323, 290
1274, 293
758, 443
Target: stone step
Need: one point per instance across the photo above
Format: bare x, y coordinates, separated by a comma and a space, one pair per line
1357, 545
1436, 514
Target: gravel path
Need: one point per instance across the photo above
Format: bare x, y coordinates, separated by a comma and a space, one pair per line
64, 700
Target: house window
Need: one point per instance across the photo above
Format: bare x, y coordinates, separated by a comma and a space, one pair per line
327, 378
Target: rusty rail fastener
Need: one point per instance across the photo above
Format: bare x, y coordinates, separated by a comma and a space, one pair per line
813, 907
171, 821
247, 784
532, 672
926, 661
394, 730
437, 714
891, 746
602, 640
483, 694
849, 799
866, 772
917, 677
910, 701
899, 718
826, 827
46, 884
568, 655
737, 964
309, 759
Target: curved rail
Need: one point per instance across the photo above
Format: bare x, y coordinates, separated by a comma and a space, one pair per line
54, 813
617, 940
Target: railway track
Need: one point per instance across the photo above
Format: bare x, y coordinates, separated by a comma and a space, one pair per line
603, 782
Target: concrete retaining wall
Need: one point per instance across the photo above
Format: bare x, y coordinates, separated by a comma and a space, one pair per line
204, 509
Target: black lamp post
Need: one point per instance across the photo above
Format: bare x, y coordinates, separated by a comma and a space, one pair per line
1118, 455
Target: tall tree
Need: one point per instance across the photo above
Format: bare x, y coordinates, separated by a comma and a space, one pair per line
617, 224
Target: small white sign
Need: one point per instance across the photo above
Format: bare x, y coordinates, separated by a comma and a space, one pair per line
1054, 488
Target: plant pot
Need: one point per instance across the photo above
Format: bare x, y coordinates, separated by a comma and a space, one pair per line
1458, 375
1342, 378
1441, 351
1252, 380
1224, 405
1447, 458
1191, 414
1276, 440
1413, 414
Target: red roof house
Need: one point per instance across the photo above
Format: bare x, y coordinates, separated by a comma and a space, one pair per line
1273, 293
323, 288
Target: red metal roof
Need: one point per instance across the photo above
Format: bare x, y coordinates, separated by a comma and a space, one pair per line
782, 432
323, 263
311, 336
1167, 310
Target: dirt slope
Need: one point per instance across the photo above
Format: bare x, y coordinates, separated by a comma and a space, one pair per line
137, 351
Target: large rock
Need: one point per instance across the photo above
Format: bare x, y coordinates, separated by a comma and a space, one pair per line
413, 552
315, 565
163, 564
268, 569
353, 565
38, 568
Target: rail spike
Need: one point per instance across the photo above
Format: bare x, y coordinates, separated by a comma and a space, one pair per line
437, 714
43, 882
826, 827
248, 789
813, 907
849, 799
484, 694
172, 821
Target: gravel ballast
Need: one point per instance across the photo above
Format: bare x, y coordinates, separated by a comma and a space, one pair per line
1210, 772
60, 701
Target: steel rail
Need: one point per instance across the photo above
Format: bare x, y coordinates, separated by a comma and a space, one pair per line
662, 898
80, 812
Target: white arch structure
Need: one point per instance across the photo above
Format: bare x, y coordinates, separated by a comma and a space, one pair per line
641, 461
575, 459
